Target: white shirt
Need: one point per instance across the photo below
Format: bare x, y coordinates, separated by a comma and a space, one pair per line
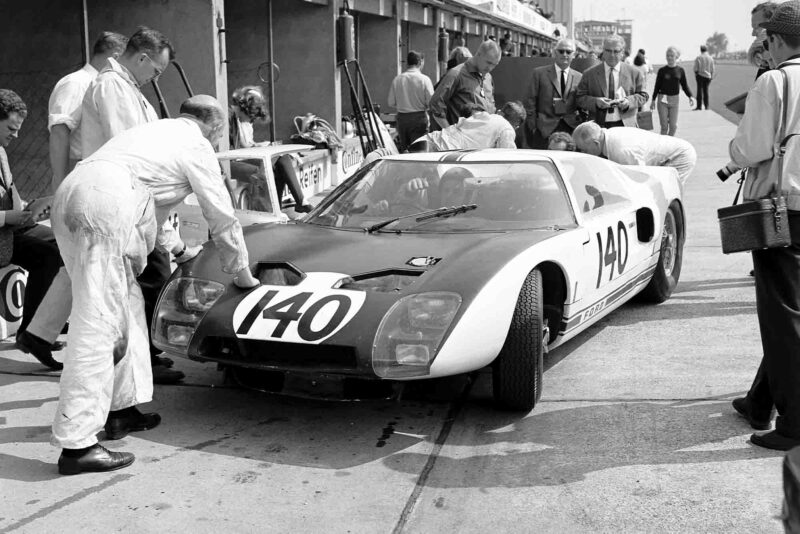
410, 92
112, 104
613, 115
481, 130
173, 159
758, 136
634, 146
65, 102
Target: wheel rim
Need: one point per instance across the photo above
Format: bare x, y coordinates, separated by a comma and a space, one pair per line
669, 243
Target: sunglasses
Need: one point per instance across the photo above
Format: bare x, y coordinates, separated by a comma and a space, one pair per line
562, 51
765, 43
612, 51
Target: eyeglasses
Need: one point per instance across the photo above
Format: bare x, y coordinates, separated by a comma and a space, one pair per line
765, 42
562, 51
158, 71
610, 51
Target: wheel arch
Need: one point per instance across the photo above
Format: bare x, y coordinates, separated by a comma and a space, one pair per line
554, 286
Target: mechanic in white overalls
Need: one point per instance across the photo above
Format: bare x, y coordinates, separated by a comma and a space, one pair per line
107, 215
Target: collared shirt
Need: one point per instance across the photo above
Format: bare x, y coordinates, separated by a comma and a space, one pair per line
758, 136
482, 130
613, 114
65, 102
634, 146
704, 65
112, 104
410, 92
462, 85
559, 70
173, 159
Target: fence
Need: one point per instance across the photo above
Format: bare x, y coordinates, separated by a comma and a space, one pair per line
28, 155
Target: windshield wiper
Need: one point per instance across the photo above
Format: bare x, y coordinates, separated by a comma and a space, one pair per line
422, 216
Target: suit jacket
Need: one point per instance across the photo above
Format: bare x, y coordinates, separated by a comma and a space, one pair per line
544, 87
594, 85
9, 199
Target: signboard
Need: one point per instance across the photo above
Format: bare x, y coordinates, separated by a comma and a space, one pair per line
12, 292
350, 158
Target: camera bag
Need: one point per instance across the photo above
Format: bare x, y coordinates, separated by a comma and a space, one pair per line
762, 223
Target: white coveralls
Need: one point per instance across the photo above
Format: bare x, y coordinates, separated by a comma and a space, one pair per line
107, 215
481, 130
627, 145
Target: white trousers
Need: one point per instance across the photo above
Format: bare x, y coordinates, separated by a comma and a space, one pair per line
105, 226
53, 312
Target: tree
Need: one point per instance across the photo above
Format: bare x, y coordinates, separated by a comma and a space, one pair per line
717, 43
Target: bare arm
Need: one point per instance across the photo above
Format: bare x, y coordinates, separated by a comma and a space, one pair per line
59, 153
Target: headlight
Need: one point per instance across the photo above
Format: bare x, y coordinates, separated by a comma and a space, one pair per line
410, 334
181, 307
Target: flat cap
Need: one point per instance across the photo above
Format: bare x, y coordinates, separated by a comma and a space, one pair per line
785, 20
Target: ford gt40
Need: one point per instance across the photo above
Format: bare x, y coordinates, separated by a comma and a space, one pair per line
429, 265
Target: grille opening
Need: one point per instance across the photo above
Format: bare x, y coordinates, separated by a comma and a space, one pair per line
277, 274
274, 354
392, 280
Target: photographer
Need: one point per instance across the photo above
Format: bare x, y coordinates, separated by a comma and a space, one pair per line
777, 270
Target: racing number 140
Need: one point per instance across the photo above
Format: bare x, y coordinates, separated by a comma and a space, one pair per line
288, 311
613, 252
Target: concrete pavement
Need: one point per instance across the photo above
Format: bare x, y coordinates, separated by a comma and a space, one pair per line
635, 432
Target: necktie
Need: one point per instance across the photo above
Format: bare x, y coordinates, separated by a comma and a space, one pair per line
611, 89
563, 84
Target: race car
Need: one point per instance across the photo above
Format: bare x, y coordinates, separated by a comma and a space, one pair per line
429, 265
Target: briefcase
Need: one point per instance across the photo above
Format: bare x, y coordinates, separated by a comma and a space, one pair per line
644, 119
754, 225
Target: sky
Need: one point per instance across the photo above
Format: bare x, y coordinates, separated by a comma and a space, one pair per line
686, 24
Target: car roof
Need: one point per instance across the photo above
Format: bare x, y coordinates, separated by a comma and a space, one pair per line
490, 154
262, 151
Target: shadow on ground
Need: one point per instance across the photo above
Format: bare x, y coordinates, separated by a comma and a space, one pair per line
566, 445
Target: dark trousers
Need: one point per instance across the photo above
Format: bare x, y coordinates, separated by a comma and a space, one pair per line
152, 280
286, 177
410, 127
35, 250
777, 275
702, 91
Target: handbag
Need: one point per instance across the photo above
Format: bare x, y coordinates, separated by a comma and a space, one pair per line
763, 223
644, 119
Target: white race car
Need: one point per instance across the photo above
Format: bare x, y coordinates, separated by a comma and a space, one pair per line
428, 265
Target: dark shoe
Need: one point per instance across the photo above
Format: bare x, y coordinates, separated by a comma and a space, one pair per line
95, 460
39, 348
161, 360
121, 422
165, 375
303, 208
742, 405
773, 440
57, 346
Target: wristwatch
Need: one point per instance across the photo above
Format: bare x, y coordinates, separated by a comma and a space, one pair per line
180, 253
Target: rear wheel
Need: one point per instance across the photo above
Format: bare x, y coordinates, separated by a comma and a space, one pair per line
670, 258
517, 373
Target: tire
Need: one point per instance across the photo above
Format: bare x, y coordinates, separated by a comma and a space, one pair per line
517, 372
670, 258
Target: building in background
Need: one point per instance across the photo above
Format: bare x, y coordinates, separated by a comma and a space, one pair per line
594, 31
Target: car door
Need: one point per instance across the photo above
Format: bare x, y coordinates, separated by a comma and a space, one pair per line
612, 254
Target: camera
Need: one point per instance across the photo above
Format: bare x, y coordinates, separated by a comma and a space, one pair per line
725, 172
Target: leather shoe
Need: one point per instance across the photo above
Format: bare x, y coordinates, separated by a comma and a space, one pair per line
119, 424
39, 348
742, 405
165, 375
773, 440
95, 460
161, 360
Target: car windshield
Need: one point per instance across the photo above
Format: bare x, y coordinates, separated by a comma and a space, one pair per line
505, 195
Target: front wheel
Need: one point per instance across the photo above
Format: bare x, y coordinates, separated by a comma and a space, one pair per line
517, 373
670, 258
